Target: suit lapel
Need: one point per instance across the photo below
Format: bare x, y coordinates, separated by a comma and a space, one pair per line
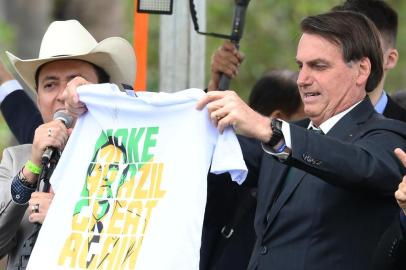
295, 178
342, 130
349, 124
272, 180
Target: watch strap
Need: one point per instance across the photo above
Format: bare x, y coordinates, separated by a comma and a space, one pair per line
24, 180
277, 135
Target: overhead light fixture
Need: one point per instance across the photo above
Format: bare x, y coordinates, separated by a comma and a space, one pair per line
155, 6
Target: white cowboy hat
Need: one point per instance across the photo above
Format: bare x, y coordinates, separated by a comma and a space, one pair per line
70, 40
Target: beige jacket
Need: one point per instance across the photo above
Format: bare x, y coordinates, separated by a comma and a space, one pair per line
14, 224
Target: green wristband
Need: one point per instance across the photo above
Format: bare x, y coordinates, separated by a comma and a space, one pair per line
35, 169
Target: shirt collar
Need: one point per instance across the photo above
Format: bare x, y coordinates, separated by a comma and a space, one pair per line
329, 123
381, 104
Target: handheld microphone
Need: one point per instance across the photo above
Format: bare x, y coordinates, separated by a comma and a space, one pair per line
68, 121
236, 35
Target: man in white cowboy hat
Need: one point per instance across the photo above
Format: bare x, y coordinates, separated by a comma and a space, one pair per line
69, 56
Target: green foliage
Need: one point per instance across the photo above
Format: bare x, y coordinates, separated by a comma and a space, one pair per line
7, 35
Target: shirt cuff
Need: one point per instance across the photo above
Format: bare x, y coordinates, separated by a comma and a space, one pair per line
286, 134
20, 193
8, 87
403, 220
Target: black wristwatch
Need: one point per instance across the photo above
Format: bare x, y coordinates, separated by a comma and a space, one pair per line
277, 135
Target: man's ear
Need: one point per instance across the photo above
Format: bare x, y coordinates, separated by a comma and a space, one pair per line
364, 70
390, 59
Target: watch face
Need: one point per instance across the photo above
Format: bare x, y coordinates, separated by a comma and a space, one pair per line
277, 135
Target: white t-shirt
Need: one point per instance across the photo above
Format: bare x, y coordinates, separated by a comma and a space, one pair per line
131, 183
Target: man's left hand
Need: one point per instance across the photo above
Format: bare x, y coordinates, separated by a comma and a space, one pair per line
39, 205
226, 108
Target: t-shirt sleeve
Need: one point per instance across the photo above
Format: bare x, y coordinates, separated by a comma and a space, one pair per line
227, 157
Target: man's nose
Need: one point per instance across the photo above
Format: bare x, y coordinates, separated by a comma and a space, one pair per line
304, 77
61, 93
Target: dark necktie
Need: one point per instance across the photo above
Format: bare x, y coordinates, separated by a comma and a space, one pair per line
316, 130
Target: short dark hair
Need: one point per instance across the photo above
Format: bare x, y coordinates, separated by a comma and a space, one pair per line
380, 13
101, 74
276, 90
355, 34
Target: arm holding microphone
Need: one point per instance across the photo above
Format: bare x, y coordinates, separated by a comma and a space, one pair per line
236, 34
18, 180
52, 135
48, 138
226, 60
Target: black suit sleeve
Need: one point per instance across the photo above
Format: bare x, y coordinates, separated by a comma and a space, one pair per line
363, 162
22, 115
391, 249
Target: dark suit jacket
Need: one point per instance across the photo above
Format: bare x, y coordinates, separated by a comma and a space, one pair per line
233, 206
22, 116
394, 111
337, 202
391, 251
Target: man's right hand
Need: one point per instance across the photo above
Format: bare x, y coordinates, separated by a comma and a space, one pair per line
400, 194
226, 59
51, 134
72, 103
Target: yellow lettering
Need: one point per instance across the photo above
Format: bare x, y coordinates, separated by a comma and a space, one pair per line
141, 193
70, 250
159, 193
132, 218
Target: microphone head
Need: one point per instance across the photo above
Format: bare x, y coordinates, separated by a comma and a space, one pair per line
63, 116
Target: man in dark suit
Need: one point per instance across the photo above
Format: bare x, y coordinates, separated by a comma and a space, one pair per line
385, 19
323, 200
226, 60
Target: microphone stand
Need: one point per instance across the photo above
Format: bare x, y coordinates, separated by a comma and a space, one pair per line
236, 35
236, 31
48, 167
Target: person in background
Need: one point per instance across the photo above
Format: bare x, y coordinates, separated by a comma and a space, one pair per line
276, 94
400, 98
69, 57
385, 19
